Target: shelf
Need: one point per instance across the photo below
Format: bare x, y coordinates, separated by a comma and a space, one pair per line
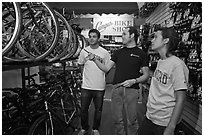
11, 65
152, 52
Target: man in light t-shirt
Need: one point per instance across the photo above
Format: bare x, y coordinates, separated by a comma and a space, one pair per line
168, 86
93, 82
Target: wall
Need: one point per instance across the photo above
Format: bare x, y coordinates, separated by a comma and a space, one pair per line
192, 114
86, 21
13, 78
160, 15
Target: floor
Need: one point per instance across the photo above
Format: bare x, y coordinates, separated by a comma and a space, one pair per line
107, 126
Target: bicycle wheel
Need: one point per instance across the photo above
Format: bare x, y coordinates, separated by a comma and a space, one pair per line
40, 31
15, 130
20, 130
64, 39
42, 126
81, 44
11, 25
16, 55
73, 46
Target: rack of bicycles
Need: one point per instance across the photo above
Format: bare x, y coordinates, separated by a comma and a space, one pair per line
49, 108
32, 31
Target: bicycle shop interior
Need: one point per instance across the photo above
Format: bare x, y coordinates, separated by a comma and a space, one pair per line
41, 44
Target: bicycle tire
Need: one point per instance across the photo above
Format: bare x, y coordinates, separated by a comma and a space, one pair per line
38, 128
17, 28
16, 55
32, 38
73, 46
81, 44
20, 130
64, 38
17, 130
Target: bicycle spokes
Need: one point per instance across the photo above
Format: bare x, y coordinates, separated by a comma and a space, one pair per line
11, 25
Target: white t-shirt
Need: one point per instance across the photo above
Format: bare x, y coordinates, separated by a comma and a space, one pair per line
93, 77
170, 75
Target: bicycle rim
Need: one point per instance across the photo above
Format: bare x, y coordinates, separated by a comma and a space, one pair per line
38, 40
11, 26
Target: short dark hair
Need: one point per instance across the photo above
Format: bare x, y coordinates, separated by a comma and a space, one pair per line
133, 30
95, 31
173, 38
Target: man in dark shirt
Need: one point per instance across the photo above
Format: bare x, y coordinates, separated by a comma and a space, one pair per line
129, 61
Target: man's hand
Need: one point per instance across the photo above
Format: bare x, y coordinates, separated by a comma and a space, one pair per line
94, 57
128, 83
91, 56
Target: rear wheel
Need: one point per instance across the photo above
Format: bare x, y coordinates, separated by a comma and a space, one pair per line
42, 126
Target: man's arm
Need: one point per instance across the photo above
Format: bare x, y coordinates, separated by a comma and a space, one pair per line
145, 76
180, 99
81, 67
141, 79
104, 67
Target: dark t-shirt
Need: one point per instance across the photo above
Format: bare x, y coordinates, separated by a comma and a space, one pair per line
128, 64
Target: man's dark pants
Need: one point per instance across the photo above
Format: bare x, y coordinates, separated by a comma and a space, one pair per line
86, 97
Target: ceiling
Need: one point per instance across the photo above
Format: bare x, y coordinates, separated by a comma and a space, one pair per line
97, 7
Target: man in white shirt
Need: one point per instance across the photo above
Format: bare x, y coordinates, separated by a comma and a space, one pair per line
93, 83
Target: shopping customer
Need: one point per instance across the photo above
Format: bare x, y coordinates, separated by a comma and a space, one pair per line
128, 60
168, 87
93, 83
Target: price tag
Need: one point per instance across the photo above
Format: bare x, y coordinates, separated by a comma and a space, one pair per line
185, 36
178, 17
65, 33
185, 15
195, 21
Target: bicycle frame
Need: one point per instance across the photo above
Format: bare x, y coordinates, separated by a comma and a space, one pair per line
50, 112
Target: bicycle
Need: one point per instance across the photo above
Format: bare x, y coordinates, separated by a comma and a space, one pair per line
18, 110
61, 113
21, 107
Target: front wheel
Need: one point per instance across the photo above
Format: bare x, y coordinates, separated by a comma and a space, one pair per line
42, 126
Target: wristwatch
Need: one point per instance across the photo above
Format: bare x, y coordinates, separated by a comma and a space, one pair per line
93, 59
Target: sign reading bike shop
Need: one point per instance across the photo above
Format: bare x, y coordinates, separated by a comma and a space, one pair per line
112, 25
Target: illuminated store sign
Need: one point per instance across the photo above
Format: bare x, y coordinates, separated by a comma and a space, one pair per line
112, 25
